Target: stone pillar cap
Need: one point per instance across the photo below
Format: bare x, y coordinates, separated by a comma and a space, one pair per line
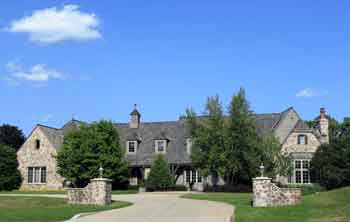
102, 179
262, 178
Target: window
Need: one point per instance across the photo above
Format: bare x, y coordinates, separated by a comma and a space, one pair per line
37, 175
302, 139
37, 144
301, 172
160, 146
188, 145
131, 147
193, 176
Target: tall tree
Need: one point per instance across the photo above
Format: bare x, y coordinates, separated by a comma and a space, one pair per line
242, 152
10, 177
11, 136
83, 152
208, 135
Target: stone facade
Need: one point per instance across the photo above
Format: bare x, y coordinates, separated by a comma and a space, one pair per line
291, 144
267, 194
97, 192
44, 156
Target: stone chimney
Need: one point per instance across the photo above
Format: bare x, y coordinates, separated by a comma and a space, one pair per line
135, 118
323, 126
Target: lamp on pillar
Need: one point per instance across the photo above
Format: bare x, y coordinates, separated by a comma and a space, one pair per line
101, 171
262, 168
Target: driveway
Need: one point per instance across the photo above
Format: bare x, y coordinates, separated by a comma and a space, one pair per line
163, 207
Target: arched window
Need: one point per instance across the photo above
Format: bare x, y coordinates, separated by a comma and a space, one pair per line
302, 139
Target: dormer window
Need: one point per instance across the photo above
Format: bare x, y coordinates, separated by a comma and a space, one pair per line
131, 146
160, 146
302, 139
37, 144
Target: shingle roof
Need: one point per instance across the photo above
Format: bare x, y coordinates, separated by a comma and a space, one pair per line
175, 132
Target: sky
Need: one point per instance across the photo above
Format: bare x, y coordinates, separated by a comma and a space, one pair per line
94, 60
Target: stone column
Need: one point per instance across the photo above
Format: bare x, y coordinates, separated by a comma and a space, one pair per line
101, 191
261, 191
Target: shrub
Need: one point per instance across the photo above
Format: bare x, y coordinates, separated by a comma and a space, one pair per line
159, 178
10, 177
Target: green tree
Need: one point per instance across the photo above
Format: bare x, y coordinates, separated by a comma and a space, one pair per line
11, 136
160, 177
208, 135
242, 152
10, 177
230, 146
331, 162
275, 162
83, 152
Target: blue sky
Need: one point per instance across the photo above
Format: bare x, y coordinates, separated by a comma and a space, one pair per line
95, 59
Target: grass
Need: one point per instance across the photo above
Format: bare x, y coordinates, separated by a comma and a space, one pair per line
118, 192
332, 206
45, 209
34, 192
114, 192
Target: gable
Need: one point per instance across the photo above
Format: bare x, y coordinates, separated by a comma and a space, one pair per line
286, 124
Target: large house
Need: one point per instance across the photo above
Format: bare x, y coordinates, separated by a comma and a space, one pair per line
144, 140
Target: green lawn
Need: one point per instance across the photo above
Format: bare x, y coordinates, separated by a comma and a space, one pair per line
117, 192
114, 192
45, 209
332, 206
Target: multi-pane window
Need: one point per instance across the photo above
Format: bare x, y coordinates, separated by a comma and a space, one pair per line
132, 146
302, 139
37, 174
160, 146
301, 171
193, 176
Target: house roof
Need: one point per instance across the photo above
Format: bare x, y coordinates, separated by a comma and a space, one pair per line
175, 132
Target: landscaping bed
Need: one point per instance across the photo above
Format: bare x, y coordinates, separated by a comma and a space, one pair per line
45, 209
332, 206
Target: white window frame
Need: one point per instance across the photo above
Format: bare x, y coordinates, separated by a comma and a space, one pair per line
194, 176
36, 175
305, 142
156, 143
128, 146
189, 144
302, 170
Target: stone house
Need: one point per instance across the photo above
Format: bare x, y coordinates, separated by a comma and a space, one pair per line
144, 140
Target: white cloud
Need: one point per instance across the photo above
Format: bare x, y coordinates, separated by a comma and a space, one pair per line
308, 93
38, 74
54, 25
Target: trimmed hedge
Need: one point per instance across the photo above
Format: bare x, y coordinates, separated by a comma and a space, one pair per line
172, 188
228, 188
307, 189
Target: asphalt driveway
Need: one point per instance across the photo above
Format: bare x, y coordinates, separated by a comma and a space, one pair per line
163, 207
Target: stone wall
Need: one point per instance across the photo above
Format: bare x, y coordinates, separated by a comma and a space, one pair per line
97, 192
29, 156
291, 144
267, 194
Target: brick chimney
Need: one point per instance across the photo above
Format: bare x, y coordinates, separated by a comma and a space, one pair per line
135, 118
323, 126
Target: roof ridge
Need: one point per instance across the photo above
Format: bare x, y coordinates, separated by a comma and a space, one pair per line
45, 126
